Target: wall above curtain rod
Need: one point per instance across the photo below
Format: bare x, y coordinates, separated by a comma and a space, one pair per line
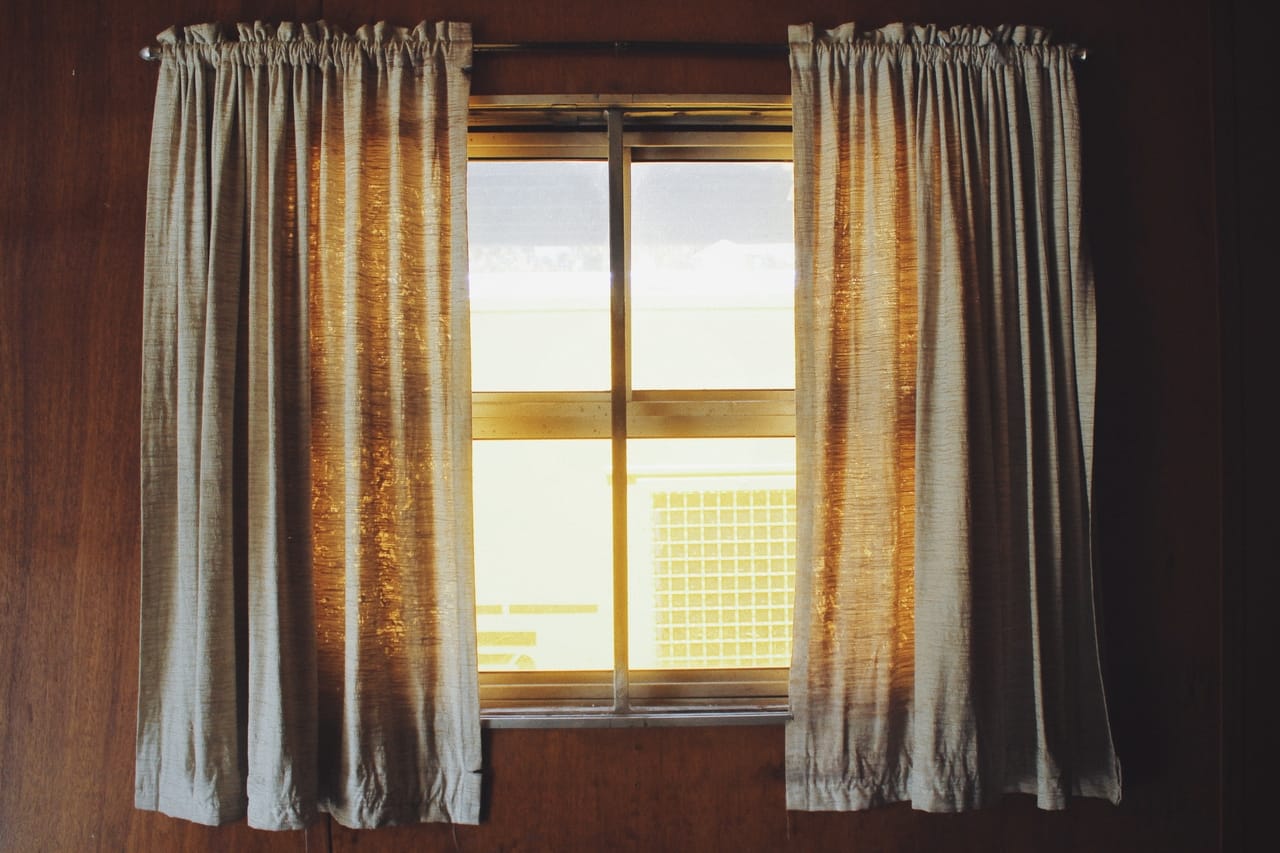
705, 48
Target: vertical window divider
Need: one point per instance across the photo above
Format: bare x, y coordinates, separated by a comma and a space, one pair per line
620, 393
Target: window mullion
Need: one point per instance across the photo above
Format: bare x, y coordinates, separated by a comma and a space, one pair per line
620, 392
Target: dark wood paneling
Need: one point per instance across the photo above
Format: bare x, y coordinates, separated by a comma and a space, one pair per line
76, 119
1248, 179
75, 109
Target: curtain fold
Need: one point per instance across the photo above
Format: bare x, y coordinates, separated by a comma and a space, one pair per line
945, 645
308, 632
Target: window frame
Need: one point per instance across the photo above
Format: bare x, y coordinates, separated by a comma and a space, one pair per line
623, 130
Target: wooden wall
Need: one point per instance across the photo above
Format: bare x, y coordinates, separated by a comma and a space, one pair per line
75, 107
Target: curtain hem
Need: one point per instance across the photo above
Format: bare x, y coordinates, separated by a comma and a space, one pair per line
805, 798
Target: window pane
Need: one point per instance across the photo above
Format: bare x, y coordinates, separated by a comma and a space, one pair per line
712, 275
539, 265
543, 540
711, 548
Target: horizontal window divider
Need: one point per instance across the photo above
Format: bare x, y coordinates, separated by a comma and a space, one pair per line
710, 692
755, 145
554, 676
704, 674
775, 154
539, 415
784, 397
564, 136
719, 111
710, 425
712, 414
503, 695
711, 418
650, 414
529, 145
741, 425
534, 428
633, 102
713, 690
708, 689
723, 700
520, 687
709, 138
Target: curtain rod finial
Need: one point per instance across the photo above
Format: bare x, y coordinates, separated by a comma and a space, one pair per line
149, 53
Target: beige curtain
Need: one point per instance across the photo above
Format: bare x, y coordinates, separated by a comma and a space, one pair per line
945, 647
308, 633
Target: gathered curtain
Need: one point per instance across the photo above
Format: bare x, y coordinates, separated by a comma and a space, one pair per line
945, 644
307, 631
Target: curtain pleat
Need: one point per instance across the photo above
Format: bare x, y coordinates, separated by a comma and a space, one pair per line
945, 644
308, 634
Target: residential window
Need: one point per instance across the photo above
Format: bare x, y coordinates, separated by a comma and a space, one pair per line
632, 285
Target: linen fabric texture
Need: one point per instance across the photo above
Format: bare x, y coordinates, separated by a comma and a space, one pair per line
307, 632
945, 642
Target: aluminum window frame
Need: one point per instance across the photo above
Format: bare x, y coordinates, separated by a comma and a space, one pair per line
620, 131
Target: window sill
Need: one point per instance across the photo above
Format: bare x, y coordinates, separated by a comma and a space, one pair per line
585, 718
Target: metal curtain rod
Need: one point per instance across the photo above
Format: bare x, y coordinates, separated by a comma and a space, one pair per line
715, 48
710, 48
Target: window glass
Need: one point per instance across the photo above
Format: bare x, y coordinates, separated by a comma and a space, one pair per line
712, 275
711, 545
543, 545
539, 267
708, 484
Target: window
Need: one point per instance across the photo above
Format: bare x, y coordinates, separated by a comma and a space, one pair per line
632, 281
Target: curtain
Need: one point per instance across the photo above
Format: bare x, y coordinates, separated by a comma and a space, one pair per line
307, 626
945, 645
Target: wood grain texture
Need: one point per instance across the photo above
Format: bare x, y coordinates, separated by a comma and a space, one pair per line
75, 108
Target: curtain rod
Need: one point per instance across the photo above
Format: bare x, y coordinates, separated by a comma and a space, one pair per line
706, 47
715, 48
711, 48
